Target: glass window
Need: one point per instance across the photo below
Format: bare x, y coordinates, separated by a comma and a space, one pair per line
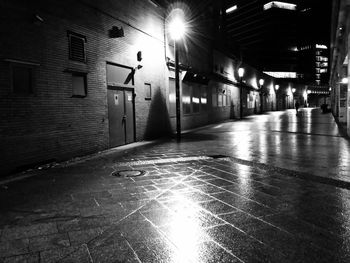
172, 97
22, 79
203, 98
196, 98
224, 95
220, 98
79, 88
228, 97
148, 91
214, 97
186, 98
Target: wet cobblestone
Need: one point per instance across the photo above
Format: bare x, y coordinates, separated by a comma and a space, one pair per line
190, 207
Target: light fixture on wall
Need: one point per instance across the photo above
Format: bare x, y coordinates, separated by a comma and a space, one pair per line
240, 75
37, 19
116, 32
139, 55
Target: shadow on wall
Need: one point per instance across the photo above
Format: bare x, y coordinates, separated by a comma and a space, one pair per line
158, 122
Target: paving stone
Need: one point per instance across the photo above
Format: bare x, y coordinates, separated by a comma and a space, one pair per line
19, 232
243, 246
216, 207
272, 200
83, 236
13, 247
28, 258
211, 252
55, 241
244, 221
61, 254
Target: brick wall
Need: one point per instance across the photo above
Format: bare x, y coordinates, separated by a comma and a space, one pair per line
50, 124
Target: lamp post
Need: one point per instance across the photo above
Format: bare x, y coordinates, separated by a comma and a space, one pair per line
240, 75
261, 83
276, 92
177, 30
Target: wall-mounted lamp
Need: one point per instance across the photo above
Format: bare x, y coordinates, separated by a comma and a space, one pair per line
37, 19
277, 87
240, 72
139, 56
344, 80
116, 32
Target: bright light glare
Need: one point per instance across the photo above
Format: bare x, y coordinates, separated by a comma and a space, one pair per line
293, 90
309, 91
240, 72
281, 75
177, 28
261, 82
231, 9
281, 5
277, 87
345, 80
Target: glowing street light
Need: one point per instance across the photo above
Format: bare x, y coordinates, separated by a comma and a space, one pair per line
240, 72
345, 80
261, 83
276, 88
177, 30
240, 75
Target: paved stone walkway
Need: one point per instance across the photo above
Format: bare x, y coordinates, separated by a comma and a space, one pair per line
270, 188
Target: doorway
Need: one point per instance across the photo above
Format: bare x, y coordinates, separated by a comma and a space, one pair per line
120, 115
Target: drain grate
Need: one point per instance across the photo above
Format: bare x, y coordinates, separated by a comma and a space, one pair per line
128, 173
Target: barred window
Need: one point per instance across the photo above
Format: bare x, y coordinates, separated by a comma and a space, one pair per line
77, 47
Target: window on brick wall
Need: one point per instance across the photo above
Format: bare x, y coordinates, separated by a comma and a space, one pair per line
186, 99
214, 97
79, 85
194, 98
22, 79
77, 47
148, 91
172, 97
204, 98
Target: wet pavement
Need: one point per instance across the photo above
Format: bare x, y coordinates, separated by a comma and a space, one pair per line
269, 188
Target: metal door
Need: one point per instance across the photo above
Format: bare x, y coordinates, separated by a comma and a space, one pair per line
120, 116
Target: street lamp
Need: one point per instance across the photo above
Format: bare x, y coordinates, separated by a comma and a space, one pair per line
261, 83
240, 75
177, 30
276, 93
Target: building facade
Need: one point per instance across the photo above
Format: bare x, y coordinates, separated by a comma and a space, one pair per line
80, 77
339, 75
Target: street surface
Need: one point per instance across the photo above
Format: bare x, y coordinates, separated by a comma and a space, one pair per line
269, 188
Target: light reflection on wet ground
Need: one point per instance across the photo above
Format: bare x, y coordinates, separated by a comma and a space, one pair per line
273, 200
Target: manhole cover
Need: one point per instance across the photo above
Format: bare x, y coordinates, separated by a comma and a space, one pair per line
128, 173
